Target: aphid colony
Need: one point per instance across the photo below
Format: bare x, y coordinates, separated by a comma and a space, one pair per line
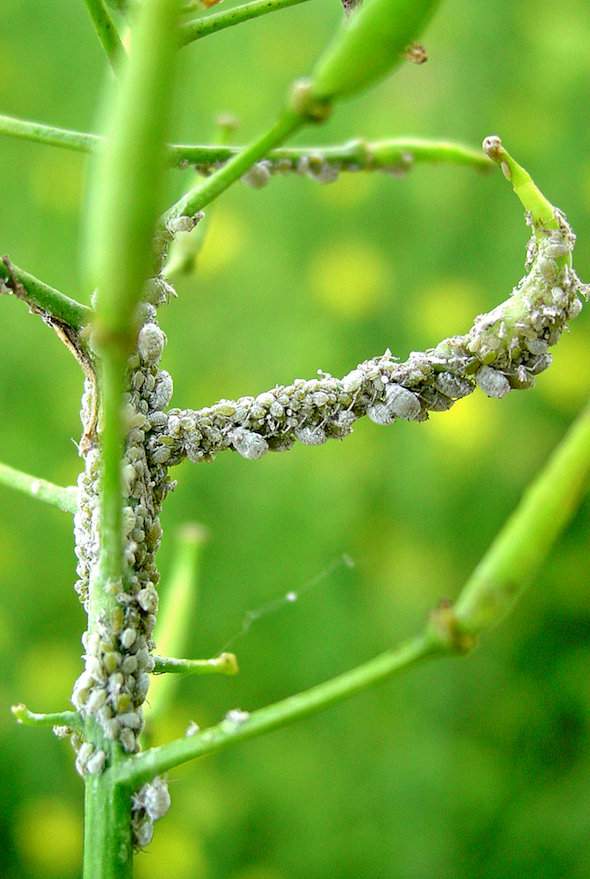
118, 644
505, 349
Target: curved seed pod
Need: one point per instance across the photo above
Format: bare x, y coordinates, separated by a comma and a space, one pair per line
370, 44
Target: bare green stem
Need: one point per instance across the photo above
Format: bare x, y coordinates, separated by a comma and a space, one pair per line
224, 664
41, 297
520, 548
217, 21
106, 32
25, 717
64, 498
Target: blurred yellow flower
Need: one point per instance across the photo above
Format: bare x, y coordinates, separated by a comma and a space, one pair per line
48, 833
351, 278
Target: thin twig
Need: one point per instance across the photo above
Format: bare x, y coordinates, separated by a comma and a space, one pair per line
106, 32
64, 498
217, 21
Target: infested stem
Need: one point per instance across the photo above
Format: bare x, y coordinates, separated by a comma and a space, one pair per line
217, 21
499, 580
62, 497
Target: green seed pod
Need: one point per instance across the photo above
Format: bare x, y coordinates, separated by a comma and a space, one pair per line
370, 43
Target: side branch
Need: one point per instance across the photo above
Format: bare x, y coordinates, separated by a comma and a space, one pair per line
505, 349
217, 21
224, 664
63, 498
106, 32
42, 298
388, 154
498, 581
146, 765
22, 715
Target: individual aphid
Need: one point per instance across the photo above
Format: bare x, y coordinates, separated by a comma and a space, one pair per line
492, 382
155, 798
150, 343
143, 832
236, 717
453, 386
127, 739
311, 435
402, 402
95, 764
248, 444
258, 175
381, 413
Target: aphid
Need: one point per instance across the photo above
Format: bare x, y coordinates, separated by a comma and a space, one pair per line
130, 720
96, 763
150, 343
311, 436
162, 393
402, 402
155, 798
143, 832
236, 717
492, 382
128, 637
453, 386
248, 444
127, 739
381, 413
258, 175
192, 729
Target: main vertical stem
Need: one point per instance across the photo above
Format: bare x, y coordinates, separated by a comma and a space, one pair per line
108, 849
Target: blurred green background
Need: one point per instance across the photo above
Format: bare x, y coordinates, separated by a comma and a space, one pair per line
459, 769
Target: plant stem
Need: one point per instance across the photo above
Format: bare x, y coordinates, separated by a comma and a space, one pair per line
57, 718
217, 21
63, 498
144, 766
38, 132
42, 297
499, 580
224, 664
106, 32
108, 850
520, 548
204, 193
354, 155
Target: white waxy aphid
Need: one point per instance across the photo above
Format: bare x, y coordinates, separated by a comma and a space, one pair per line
192, 729
575, 308
311, 436
381, 413
111, 728
453, 386
184, 224
258, 175
150, 343
248, 444
353, 381
402, 402
143, 833
536, 346
148, 599
128, 637
236, 717
129, 665
130, 720
492, 382
85, 752
127, 739
155, 798
96, 763
162, 393
341, 425
161, 455
96, 700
